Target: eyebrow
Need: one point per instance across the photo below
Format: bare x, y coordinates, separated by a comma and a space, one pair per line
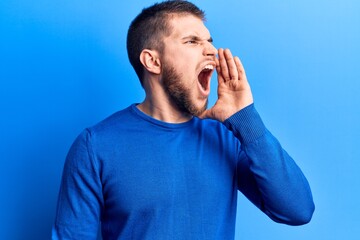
196, 38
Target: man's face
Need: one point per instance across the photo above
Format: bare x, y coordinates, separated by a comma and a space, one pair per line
188, 61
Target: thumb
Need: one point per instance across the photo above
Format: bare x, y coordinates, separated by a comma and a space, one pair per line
206, 114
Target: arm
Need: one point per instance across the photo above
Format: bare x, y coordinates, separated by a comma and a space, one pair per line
267, 175
80, 197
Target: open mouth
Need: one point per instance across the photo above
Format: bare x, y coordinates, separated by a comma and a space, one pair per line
205, 76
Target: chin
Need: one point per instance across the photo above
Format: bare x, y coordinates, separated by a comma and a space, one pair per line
198, 110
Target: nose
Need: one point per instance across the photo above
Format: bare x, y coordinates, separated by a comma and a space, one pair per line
209, 49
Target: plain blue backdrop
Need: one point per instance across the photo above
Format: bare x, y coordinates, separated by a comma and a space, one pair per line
63, 67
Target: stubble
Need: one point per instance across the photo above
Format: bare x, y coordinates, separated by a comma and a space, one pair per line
178, 92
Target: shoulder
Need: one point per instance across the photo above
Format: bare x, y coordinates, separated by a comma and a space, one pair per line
117, 121
109, 128
120, 117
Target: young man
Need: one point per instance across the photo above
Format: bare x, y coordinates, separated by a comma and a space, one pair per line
169, 168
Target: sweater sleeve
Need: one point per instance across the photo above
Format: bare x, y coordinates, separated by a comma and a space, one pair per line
80, 198
267, 175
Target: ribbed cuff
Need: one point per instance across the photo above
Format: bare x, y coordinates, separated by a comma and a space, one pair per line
246, 124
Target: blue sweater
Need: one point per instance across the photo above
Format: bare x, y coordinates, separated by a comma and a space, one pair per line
147, 179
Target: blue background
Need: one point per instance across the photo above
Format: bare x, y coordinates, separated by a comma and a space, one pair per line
63, 67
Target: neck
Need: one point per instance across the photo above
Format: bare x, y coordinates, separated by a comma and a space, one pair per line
161, 108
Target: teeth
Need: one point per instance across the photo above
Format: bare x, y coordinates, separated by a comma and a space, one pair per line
209, 67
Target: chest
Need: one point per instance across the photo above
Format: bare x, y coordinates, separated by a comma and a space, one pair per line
166, 171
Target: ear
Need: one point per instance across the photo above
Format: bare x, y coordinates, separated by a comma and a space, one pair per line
151, 61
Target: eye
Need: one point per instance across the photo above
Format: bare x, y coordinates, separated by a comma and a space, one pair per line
191, 42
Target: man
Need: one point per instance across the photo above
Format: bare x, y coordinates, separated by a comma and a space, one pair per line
169, 168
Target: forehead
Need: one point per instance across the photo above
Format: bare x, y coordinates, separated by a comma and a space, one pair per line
187, 25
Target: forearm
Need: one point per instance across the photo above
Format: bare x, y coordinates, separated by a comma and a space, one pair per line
273, 180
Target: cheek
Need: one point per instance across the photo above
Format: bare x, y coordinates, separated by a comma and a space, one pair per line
191, 73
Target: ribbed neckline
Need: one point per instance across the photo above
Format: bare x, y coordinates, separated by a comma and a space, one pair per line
154, 121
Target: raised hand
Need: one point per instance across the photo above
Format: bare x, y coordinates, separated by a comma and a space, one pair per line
234, 91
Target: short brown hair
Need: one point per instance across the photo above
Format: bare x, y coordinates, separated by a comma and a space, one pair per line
151, 25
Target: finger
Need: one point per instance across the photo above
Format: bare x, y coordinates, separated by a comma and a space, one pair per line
223, 71
240, 68
217, 65
232, 68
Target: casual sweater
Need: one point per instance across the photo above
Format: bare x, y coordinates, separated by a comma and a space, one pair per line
147, 179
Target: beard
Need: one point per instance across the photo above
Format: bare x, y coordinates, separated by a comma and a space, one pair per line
178, 93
